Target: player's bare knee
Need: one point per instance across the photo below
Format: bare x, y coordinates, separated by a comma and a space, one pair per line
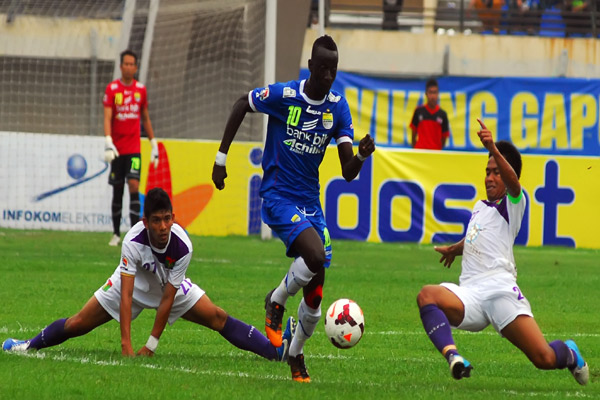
315, 262
218, 320
74, 325
426, 295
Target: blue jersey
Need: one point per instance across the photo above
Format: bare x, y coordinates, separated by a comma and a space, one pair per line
298, 133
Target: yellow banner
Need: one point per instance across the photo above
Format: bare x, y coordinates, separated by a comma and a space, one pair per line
185, 171
400, 195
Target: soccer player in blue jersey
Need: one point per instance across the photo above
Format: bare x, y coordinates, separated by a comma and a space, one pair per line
488, 292
155, 256
304, 116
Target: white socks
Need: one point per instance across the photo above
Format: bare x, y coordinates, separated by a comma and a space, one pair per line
307, 322
297, 277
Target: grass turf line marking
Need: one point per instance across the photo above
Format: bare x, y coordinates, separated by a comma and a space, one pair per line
5, 329
117, 363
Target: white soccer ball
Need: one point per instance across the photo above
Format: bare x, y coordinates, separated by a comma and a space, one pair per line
344, 323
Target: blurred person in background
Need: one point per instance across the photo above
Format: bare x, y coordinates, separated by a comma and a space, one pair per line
125, 103
429, 125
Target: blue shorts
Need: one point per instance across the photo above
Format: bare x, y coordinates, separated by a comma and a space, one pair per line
287, 220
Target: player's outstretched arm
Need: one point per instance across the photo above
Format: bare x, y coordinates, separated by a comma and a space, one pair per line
240, 108
352, 164
509, 177
449, 253
162, 316
127, 282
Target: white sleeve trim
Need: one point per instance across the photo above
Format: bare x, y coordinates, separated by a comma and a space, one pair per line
343, 139
250, 101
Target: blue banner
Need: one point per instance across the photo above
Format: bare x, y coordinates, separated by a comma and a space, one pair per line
538, 115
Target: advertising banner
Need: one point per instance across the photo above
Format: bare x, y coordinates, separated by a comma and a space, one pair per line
57, 182
539, 115
60, 182
401, 195
427, 197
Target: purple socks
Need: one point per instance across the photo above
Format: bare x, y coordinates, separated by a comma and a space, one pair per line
247, 337
51, 335
564, 355
438, 329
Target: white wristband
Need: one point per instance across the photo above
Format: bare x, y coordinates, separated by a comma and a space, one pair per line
220, 159
109, 141
152, 343
360, 156
153, 142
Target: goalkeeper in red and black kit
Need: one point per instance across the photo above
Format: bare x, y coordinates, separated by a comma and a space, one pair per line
429, 125
125, 101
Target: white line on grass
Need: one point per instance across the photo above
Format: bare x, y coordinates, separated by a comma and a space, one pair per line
577, 394
231, 374
118, 363
194, 371
212, 260
490, 332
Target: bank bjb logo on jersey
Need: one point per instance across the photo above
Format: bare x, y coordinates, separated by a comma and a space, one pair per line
327, 120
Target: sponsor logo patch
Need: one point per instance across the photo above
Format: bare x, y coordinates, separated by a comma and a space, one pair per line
327, 120
333, 98
309, 125
169, 262
264, 94
289, 92
107, 286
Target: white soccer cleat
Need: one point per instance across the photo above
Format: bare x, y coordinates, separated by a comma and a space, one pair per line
114, 240
459, 367
14, 345
581, 372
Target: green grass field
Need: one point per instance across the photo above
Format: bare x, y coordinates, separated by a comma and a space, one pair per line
50, 275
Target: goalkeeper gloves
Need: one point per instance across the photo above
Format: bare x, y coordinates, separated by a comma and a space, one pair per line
110, 151
154, 152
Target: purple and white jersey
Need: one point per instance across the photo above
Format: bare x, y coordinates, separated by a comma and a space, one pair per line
298, 133
153, 267
491, 235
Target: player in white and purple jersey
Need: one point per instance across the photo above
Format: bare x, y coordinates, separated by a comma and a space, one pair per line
304, 117
155, 256
488, 292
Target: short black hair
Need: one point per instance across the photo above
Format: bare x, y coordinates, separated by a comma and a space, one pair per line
324, 41
129, 53
431, 82
156, 200
511, 154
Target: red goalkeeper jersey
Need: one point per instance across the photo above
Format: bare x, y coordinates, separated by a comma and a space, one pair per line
127, 102
431, 125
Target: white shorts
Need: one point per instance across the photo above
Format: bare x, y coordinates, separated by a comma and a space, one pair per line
187, 295
495, 300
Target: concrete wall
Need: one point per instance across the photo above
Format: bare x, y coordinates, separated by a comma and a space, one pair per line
292, 18
387, 53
